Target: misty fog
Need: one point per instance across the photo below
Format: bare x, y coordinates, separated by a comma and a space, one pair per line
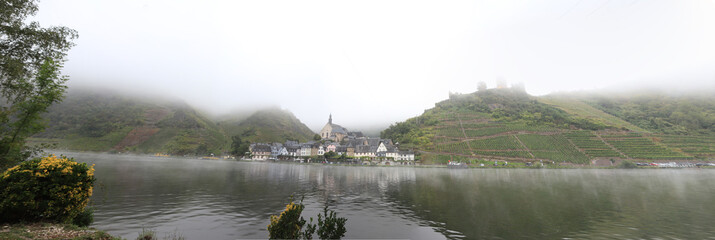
372, 63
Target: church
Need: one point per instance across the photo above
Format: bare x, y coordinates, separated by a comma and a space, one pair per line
336, 132
339, 140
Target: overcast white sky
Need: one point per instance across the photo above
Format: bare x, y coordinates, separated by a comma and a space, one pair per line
377, 62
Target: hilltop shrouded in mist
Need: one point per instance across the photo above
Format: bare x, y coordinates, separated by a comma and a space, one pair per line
92, 120
373, 63
586, 128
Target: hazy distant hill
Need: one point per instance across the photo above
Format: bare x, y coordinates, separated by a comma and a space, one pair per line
268, 125
658, 111
510, 124
105, 121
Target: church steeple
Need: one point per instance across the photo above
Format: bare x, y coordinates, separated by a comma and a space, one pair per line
330, 119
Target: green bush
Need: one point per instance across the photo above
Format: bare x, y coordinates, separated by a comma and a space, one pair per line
54, 189
85, 218
288, 224
147, 234
329, 225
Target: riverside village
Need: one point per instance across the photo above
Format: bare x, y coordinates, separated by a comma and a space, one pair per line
336, 142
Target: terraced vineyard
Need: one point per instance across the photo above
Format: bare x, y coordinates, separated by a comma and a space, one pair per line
504, 124
497, 143
554, 147
634, 145
490, 139
458, 147
477, 136
452, 132
590, 144
698, 146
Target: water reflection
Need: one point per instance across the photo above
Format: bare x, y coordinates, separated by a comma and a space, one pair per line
228, 200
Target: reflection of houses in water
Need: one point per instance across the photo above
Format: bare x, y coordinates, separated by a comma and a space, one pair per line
342, 180
332, 181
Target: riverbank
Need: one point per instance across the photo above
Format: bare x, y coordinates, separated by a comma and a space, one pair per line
52, 231
472, 163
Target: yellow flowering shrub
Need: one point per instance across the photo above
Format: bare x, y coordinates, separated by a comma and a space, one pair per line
288, 224
45, 189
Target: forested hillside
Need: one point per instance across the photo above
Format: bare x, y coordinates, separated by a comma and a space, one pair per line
268, 125
106, 121
511, 125
660, 112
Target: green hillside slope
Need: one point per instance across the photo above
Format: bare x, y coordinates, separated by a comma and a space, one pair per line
268, 125
584, 110
112, 122
101, 121
511, 125
660, 112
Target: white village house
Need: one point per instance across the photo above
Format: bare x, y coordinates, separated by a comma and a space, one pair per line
339, 140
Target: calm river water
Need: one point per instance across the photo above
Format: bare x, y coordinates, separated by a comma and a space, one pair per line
204, 199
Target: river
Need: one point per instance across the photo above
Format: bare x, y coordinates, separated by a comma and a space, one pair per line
211, 199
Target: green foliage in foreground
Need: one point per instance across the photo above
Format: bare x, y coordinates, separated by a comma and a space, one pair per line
329, 225
49, 189
30, 81
289, 224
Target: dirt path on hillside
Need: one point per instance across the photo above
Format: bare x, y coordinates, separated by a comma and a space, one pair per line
609, 145
465, 134
524, 145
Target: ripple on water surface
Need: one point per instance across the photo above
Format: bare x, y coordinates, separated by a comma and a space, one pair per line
228, 200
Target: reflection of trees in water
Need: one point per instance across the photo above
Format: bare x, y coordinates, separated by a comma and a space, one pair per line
552, 204
485, 203
160, 185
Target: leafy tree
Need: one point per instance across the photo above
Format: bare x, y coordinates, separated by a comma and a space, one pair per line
238, 146
330, 155
316, 137
30, 61
413, 132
